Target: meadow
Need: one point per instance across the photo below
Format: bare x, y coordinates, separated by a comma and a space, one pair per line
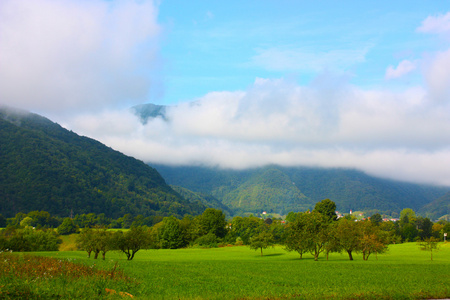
404, 272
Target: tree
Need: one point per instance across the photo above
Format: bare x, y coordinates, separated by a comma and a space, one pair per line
213, 221
67, 227
295, 236
372, 239
316, 232
262, 241
332, 245
407, 215
376, 219
409, 232
348, 236
26, 222
245, 228
103, 241
429, 244
425, 227
29, 239
133, 240
43, 218
327, 208
171, 234
85, 241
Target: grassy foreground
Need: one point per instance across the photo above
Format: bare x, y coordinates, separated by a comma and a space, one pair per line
404, 272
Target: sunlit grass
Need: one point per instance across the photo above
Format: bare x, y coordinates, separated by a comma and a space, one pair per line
68, 242
404, 272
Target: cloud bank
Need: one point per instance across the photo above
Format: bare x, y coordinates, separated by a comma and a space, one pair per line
402, 135
69, 56
79, 61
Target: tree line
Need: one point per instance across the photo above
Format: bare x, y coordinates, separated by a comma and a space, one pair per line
317, 231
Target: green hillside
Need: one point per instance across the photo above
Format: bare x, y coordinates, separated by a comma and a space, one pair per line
352, 189
269, 190
46, 167
205, 199
277, 188
437, 208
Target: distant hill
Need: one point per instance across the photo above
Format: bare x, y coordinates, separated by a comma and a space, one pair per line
268, 190
282, 189
205, 199
46, 167
438, 208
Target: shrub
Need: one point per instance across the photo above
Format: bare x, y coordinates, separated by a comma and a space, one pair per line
209, 240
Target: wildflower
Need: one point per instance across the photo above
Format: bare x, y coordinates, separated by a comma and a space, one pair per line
123, 294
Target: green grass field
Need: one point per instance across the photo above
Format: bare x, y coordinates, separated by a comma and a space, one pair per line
404, 272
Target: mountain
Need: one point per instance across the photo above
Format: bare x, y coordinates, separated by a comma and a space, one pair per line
46, 167
270, 190
282, 189
149, 110
204, 199
437, 208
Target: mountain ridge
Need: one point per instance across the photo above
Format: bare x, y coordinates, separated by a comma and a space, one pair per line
350, 189
46, 167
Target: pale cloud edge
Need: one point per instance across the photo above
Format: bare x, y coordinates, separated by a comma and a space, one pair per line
403, 68
436, 24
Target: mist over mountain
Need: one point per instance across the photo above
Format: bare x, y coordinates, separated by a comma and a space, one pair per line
46, 167
280, 189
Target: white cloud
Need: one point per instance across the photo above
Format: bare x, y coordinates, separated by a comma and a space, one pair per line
63, 56
436, 24
400, 135
437, 75
403, 68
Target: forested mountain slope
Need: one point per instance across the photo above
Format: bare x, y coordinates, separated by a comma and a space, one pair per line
273, 187
46, 167
205, 199
438, 208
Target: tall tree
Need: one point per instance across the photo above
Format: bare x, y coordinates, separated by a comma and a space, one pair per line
327, 208
172, 235
213, 221
317, 229
85, 241
348, 235
296, 238
373, 240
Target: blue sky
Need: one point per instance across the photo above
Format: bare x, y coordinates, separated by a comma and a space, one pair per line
225, 45
353, 84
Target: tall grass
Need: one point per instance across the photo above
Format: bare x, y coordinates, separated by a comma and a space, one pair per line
34, 277
404, 272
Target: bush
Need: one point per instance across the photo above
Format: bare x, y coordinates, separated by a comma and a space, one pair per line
209, 240
239, 242
67, 227
29, 239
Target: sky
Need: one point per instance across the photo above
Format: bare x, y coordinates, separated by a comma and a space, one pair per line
351, 84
